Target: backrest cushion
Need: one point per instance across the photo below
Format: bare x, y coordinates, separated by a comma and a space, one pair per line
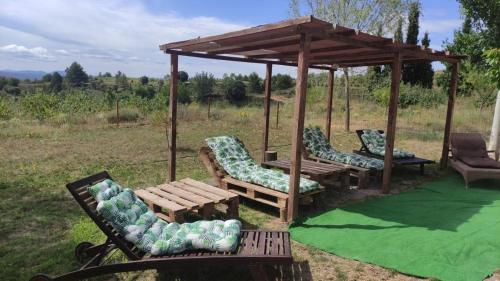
468, 145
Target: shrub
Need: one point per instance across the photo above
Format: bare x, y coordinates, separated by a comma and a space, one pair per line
183, 95
40, 106
203, 85
5, 111
183, 76
12, 90
281, 82
410, 95
145, 92
254, 83
126, 115
233, 90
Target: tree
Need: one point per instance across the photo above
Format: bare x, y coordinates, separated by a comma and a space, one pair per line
203, 85
121, 81
14, 82
424, 69
366, 15
410, 74
233, 89
107, 74
183, 76
47, 77
144, 80
281, 82
56, 82
484, 15
398, 34
3, 82
75, 75
254, 83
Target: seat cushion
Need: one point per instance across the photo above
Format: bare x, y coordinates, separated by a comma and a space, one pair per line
375, 142
481, 162
237, 162
319, 146
140, 226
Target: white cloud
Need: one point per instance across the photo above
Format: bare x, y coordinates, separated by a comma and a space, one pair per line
25, 52
440, 25
121, 33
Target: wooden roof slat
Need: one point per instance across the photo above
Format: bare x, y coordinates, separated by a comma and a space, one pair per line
278, 43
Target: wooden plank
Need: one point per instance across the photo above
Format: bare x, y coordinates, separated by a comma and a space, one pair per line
298, 126
329, 102
241, 59
172, 197
172, 119
449, 116
255, 187
391, 122
214, 198
209, 188
184, 194
267, 107
159, 201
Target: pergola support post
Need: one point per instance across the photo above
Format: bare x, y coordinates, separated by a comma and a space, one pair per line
449, 116
298, 125
172, 117
329, 102
391, 122
267, 107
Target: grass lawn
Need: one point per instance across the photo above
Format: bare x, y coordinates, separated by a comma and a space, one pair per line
41, 223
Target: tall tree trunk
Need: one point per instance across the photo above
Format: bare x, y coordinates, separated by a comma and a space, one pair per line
347, 100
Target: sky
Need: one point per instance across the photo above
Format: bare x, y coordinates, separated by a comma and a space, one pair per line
117, 35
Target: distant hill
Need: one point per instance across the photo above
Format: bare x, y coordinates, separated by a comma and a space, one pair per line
25, 74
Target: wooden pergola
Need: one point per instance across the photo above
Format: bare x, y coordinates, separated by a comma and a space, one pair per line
307, 42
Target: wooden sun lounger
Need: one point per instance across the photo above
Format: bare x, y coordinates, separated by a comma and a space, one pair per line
248, 190
256, 248
395, 161
362, 174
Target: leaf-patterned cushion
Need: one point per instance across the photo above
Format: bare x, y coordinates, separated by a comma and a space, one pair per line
319, 146
375, 142
139, 225
232, 155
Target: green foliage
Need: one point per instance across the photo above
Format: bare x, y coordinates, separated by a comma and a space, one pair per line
484, 14
203, 86
410, 95
493, 60
147, 92
281, 82
483, 89
398, 34
14, 82
121, 81
410, 70
75, 75
424, 71
40, 106
183, 95
254, 83
55, 82
47, 77
144, 80
12, 90
234, 90
5, 111
3, 82
183, 76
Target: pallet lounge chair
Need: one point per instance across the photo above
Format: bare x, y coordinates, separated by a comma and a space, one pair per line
470, 158
317, 147
255, 249
373, 145
234, 170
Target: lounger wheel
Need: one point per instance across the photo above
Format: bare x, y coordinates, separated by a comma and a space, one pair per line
81, 252
41, 277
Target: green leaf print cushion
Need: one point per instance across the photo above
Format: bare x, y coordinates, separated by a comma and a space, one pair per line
319, 146
237, 162
139, 225
375, 142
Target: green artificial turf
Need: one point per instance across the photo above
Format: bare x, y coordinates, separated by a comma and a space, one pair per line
439, 230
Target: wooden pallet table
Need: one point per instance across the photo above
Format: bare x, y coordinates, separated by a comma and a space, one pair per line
320, 172
170, 201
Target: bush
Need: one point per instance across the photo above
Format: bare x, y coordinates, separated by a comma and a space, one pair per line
254, 83
183, 94
126, 115
410, 95
11, 90
40, 106
482, 89
145, 92
203, 85
233, 90
5, 112
282, 82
